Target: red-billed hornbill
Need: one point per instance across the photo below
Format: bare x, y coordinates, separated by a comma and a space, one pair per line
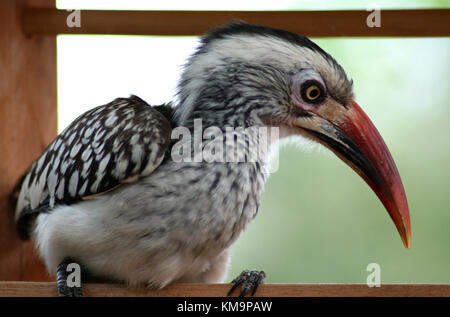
108, 194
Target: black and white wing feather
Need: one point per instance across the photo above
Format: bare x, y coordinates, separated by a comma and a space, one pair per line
106, 146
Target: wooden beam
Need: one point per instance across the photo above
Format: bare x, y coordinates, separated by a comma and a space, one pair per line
404, 23
24, 289
28, 124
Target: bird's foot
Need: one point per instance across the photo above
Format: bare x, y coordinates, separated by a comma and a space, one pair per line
68, 278
248, 280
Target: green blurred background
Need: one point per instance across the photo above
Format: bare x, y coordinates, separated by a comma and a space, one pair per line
319, 222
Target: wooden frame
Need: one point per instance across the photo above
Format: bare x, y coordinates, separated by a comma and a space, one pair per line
219, 290
28, 112
310, 23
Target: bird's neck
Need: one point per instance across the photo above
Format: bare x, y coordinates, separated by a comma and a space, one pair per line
221, 117
210, 140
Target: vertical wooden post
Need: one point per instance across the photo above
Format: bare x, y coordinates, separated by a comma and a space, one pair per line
27, 125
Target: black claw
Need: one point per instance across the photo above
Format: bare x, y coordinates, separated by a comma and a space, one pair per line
236, 282
233, 288
61, 280
244, 291
259, 280
248, 280
77, 292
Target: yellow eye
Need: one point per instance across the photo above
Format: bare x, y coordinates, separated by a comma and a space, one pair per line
312, 92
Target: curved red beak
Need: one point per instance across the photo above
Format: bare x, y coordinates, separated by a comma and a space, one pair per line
353, 138
383, 177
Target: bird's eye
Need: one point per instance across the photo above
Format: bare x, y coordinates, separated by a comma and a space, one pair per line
312, 92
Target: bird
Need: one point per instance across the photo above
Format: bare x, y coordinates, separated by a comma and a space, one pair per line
120, 193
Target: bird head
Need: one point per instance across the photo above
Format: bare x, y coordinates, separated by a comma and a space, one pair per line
253, 75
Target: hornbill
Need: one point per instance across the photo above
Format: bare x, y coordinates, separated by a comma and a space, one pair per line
108, 194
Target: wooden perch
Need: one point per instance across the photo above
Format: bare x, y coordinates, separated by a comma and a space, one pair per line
428, 22
48, 289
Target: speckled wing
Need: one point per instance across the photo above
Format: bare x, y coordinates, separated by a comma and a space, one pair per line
106, 146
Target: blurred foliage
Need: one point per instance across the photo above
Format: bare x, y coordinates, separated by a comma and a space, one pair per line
320, 222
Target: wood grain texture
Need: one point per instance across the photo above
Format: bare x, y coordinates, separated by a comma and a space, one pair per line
28, 124
24, 289
424, 22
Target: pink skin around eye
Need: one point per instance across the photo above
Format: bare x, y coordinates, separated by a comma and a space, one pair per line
298, 101
297, 80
